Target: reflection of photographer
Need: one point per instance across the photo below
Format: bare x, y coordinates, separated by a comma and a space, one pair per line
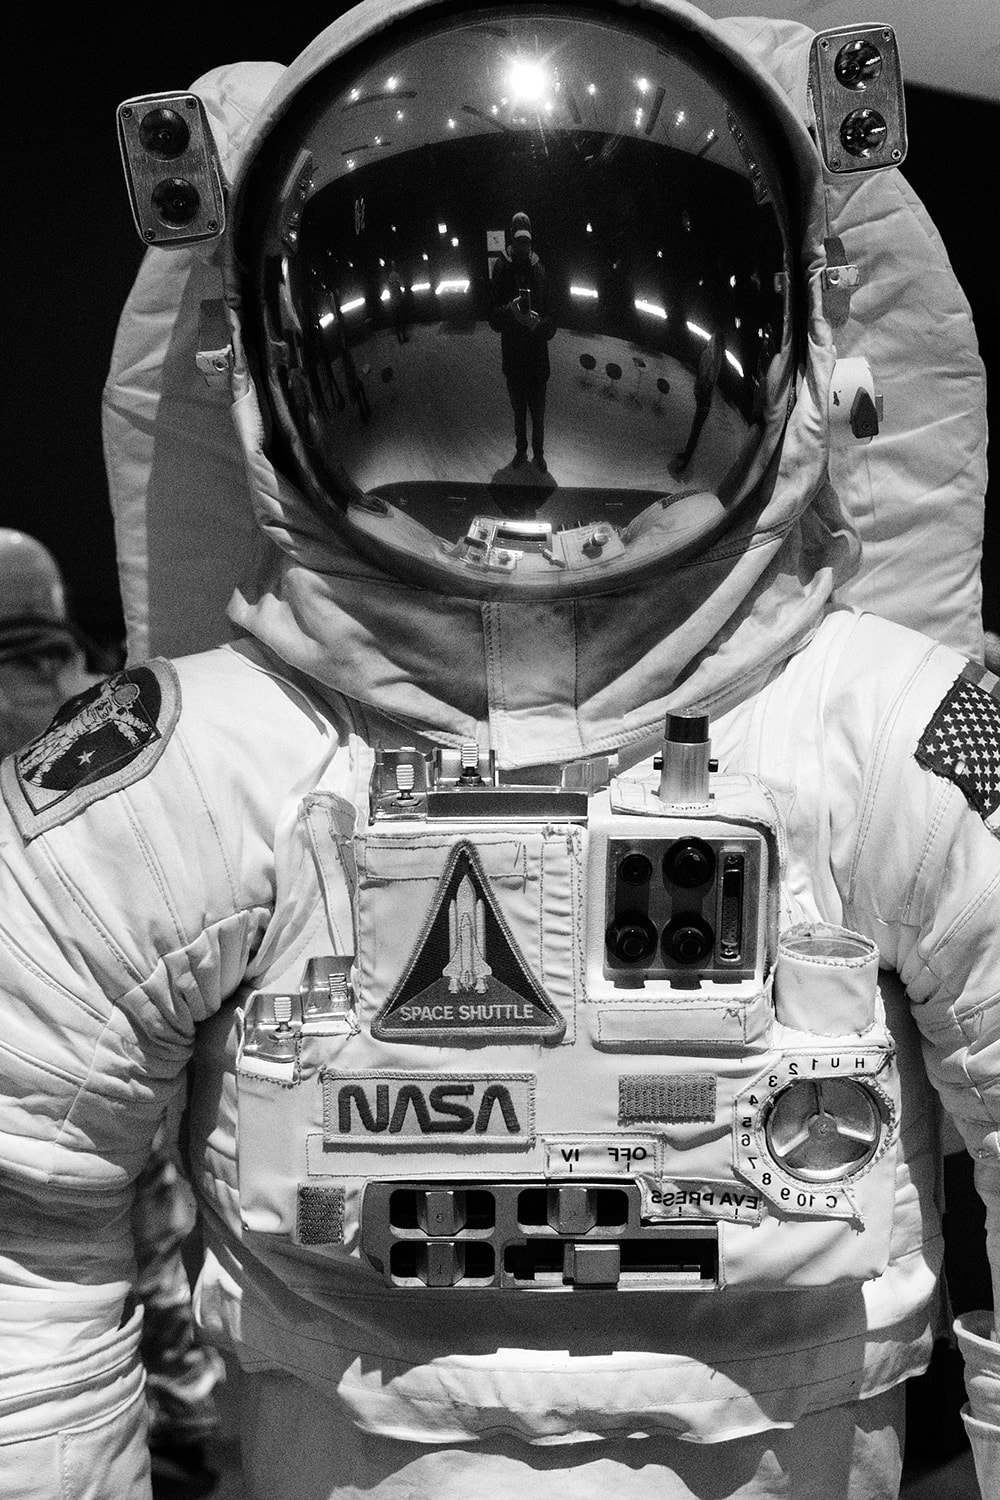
519, 313
706, 379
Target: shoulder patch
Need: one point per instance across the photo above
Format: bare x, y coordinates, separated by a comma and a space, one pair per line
962, 741
100, 741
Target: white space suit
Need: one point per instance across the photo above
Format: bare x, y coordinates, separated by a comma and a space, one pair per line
501, 1191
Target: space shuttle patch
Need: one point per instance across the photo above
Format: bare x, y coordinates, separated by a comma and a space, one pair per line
962, 741
103, 739
466, 979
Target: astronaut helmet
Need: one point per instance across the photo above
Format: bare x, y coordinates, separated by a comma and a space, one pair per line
33, 612
652, 362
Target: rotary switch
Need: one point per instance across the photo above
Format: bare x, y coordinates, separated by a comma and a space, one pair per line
811, 1128
823, 1129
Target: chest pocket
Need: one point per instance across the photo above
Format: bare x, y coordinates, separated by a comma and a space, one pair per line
468, 938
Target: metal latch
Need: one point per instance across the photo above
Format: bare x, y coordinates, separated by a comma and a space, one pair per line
272, 1025
326, 991
840, 278
214, 359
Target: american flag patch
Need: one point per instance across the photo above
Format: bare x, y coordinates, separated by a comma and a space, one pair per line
962, 741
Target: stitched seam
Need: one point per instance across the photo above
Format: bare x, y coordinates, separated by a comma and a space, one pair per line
118, 1006
967, 913
152, 865
24, 961
223, 851
81, 1090
873, 778
88, 914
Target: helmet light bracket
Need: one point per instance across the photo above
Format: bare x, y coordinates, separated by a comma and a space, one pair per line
172, 168
856, 88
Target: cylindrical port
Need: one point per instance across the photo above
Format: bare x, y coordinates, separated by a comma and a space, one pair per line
687, 939
826, 980
631, 938
686, 751
689, 863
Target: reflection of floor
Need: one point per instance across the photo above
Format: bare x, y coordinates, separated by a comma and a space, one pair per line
439, 408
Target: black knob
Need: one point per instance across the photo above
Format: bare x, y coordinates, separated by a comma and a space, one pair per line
688, 863
635, 869
687, 939
631, 938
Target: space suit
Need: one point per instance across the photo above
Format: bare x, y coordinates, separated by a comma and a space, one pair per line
573, 902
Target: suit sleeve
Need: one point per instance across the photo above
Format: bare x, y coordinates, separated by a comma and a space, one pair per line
124, 921
924, 877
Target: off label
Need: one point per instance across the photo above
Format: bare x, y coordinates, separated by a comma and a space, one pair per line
604, 1156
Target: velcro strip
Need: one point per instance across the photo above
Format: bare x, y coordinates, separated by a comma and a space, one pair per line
679, 1097
320, 1216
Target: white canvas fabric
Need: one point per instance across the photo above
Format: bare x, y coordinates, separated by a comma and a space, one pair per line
183, 500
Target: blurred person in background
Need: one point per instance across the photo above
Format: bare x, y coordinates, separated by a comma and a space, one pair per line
46, 660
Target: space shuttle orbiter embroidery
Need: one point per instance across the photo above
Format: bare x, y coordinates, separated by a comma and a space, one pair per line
467, 968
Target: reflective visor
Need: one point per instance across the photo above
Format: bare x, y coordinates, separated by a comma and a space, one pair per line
517, 295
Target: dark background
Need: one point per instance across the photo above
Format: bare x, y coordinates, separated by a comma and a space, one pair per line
70, 251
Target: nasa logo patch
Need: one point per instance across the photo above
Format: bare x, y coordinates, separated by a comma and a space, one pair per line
100, 741
412, 1109
962, 741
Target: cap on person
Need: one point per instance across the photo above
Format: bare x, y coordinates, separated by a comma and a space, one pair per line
520, 227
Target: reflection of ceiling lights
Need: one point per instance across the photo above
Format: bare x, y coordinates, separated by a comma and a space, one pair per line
391, 83
735, 363
353, 305
420, 286
583, 291
652, 308
642, 84
699, 332
456, 284
528, 81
